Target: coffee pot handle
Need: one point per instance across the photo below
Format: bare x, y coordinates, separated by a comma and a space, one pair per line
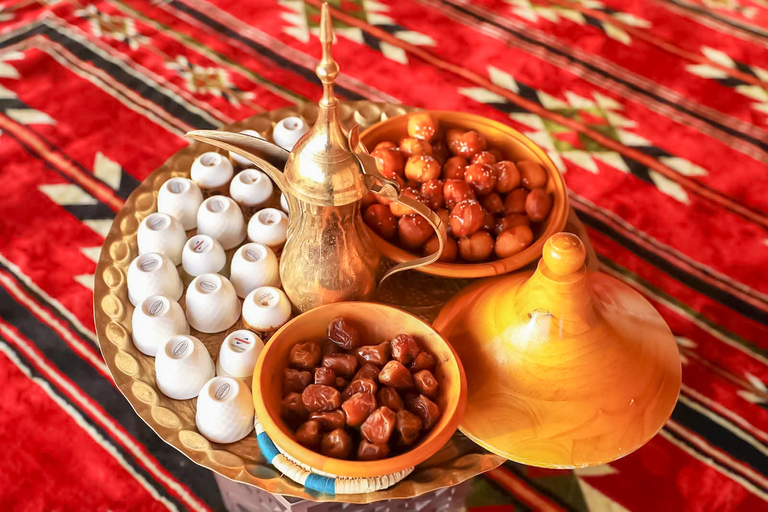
388, 189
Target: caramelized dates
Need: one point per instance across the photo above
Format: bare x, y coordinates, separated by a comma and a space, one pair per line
320, 398
358, 407
305, 356
344, 334
337, 444
379, 425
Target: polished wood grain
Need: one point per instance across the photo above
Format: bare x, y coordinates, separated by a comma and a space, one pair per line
516, 147
565, 368
379, 322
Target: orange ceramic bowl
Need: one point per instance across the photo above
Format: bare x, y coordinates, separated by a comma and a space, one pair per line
379, 322
515, 147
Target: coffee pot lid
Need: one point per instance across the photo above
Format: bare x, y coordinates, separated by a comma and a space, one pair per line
321, 169
564, 368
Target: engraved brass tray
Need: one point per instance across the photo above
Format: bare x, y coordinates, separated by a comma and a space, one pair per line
174, 420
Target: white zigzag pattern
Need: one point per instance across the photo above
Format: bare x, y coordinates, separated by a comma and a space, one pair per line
610, 108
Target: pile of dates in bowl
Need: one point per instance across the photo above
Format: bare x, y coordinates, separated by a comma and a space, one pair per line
352, 398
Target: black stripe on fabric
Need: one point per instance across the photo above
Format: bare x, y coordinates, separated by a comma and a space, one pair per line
729, 471
723, 19
693, 282
720, 437
152, 94
306, 73
198, 479
528, 39
106, 437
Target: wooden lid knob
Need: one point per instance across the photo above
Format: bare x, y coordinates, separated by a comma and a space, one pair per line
564, 253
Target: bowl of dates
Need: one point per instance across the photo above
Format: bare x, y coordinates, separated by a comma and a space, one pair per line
498, 193
358, 389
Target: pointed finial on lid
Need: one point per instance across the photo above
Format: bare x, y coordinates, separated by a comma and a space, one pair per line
327, 70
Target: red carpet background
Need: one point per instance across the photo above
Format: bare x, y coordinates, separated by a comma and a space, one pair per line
656, 110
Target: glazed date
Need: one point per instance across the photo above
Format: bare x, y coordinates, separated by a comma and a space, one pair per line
376, 354
325, 376
409, 426
422, 168
426, 383
386, 144
476, 247
292, 408
330, 420
455, 192
508, 176
358, 408
341, 382
484, 157
359, 386
466, 218
389, 397
378, 427
371, 451
308, 434
368, 371
510, 221
344, 333
450, 249
423, 361
481, 177
515, 201
389, 161
305, 356
344, 365
432, 191
337, 444
423, 126
379, 218
440, 152
399, 209
427, 411
395, 375
294, 381
331, 348
532, 174
493, 203
538, 204
411, 146
413, 230
320, 398
513, 240
454, 168
404, 348
466, 144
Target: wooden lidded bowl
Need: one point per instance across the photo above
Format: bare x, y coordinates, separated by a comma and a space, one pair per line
516, 147
378, 322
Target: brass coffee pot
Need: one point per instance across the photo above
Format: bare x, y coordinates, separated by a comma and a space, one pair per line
329, 255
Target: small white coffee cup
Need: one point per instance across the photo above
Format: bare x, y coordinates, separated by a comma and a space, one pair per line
155, 320
182, 367
211, 170
288, 131
238, 354
212, 304
153, 274
221, 218
268, 227
180, 198
242, 161
251, 188
202, 255
266, 309
162, 233
253, 265
224, 410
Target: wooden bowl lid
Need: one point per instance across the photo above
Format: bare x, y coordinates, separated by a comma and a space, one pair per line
564, 368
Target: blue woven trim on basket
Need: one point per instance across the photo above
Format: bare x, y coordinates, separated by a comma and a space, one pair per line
320, 483
267, 447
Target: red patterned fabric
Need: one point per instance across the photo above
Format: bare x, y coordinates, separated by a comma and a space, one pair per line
655, 110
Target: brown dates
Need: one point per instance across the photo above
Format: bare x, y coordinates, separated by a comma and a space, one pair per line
359, 386
376, 354
368, 371
358, 407
292, 408
330, 419
389, 397
404, 348
343, 365
344, 334
320, 398
379, 425
397, 376
308, 434
427, 411
337, 444
423, 361
324, 376
294, 381
409, 426
371, 451
426, 383
305, 356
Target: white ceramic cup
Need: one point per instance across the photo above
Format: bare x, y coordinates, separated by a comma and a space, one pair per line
211, 170
284, 204
242, 161
288, 131
224, 410
266, 309
164, 234
251, 188
202, 255
219, 217
155, 320
180, 198
182, 367
153, 274
238, 354
212, 304
268, 227
253, 265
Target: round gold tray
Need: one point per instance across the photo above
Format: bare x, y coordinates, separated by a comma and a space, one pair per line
174, 420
